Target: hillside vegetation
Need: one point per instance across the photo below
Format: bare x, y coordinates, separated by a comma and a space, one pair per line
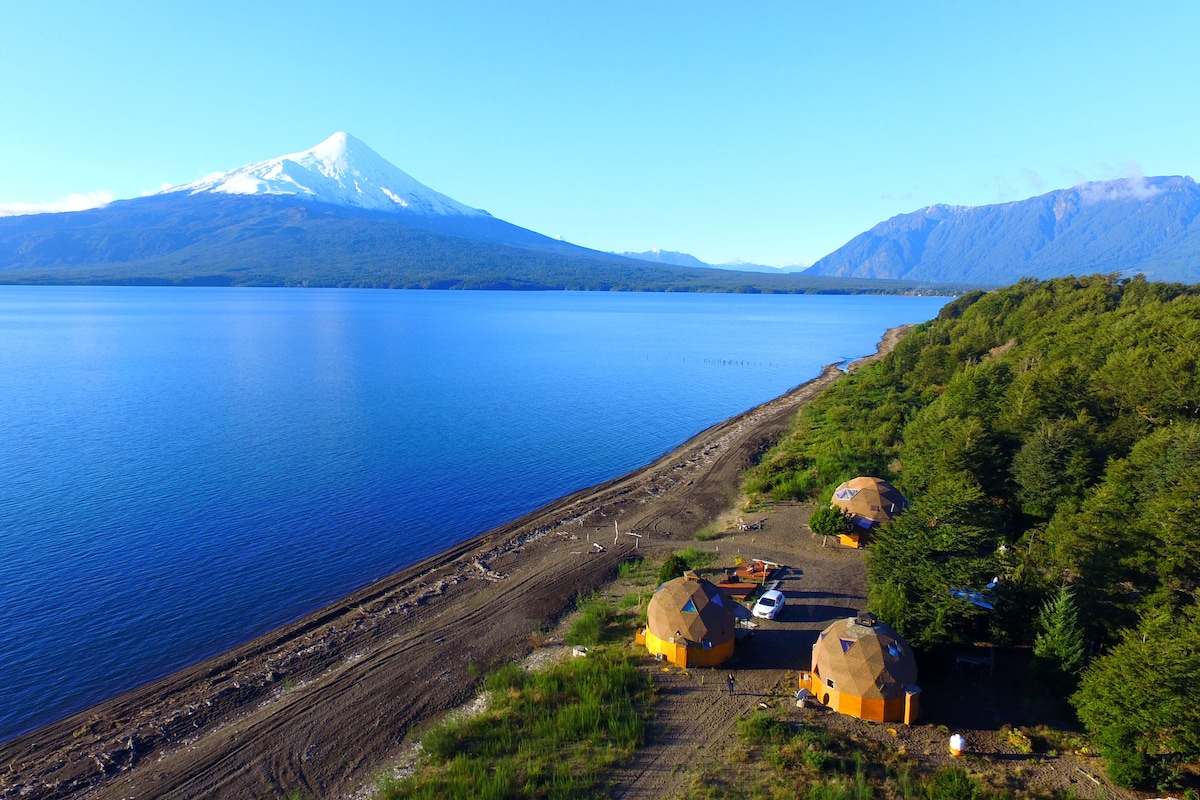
1148, 226
238, 241
1047, 434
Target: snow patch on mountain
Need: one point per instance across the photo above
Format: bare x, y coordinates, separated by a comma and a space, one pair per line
340, 170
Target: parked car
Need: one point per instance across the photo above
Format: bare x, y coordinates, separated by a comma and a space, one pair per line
769, 604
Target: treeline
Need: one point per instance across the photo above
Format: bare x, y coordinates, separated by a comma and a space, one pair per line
1047, 434
239, 241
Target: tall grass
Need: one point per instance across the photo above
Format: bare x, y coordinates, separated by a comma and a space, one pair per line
788, 759
697, 559
551, 733
953, 783
632, 569
592, 623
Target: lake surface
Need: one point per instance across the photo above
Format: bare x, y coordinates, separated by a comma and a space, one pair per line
183, 469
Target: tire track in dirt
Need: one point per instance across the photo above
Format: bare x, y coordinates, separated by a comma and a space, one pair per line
321, 704
695, 720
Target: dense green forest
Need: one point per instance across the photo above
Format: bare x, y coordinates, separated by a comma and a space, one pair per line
1047, 434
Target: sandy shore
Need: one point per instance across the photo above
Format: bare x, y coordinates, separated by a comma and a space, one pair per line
322, 704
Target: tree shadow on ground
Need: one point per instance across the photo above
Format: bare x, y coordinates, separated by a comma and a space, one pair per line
815, 613
774, 649
793, 594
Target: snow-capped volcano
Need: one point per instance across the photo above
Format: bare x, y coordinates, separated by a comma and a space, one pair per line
340, 170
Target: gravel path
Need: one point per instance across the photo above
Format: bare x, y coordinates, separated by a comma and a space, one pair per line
322, 704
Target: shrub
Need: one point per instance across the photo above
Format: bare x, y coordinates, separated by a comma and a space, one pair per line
441, 741
952, 783
816, 760
762, 728
1020, 741
828, 521
672, 568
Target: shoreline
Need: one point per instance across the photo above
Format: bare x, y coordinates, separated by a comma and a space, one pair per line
322, 703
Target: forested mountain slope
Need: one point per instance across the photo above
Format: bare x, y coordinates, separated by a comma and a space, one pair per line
1147, 226
221, 240
1047, 433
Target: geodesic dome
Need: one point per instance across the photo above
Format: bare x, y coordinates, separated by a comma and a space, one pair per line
862, 667
870, 500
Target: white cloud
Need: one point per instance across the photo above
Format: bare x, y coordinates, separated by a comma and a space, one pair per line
1134, 187
1126, 181
162, 187
72, 202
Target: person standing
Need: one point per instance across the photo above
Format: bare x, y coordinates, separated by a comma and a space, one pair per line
729, 680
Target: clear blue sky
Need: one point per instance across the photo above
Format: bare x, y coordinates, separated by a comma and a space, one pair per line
767, 132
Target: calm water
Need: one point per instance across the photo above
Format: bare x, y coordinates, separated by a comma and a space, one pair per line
182, 469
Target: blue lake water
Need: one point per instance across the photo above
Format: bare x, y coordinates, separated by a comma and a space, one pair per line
183, 469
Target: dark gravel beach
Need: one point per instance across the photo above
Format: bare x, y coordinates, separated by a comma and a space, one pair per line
322, 704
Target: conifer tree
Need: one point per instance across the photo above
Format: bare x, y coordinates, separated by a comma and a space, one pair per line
1059, 649
672, 568
1140, 701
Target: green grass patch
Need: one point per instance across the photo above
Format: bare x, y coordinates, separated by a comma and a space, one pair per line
697, 559
632, 569
547, 734
762, 727
780, 759
591, 626
688, 558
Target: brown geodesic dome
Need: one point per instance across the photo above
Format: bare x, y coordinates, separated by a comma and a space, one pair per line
864, 658
692, 609
871, 499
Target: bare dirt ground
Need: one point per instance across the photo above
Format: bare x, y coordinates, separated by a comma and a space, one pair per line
321, 705
695, 718
695, 723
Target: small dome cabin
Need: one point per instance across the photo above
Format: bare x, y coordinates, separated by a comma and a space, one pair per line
861, 667
689, 623
868, 502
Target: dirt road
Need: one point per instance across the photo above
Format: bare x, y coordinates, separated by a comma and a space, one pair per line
693, 737
695, 718
320, 705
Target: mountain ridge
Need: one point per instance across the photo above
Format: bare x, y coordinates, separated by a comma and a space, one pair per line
341, 170
340, 214
659, 256
337, 214
234, 240
1148, 226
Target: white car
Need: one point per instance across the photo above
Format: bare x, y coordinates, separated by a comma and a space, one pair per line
769, 604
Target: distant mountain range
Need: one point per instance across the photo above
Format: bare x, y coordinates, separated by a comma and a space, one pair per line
337, 214
687, 260
1149, 226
